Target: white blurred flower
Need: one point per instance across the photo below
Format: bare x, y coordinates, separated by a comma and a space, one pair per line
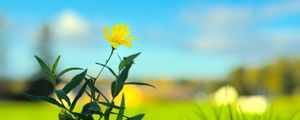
256, 104
225, 95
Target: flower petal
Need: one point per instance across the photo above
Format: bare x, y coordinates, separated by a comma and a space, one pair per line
114, 44
127, 44
130, 38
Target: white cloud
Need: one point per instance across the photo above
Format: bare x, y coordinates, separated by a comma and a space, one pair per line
221, 27
280, 9
217, 16
70, 25
224, 17
240, 29
211, 44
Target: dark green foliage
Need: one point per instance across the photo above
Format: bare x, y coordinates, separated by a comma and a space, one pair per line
67, 70
53, 70
86, 83
91, 108
118, 84
111, 70
115, 88
140, 83
127, 61
121, 111
79, 94
65, 116
43, 98
43, 65
75, 82
46, 70
107, 113
61, 95
111, 105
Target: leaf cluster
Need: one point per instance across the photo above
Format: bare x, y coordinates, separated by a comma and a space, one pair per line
86, 84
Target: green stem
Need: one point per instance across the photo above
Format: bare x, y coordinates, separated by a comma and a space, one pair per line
106, 62
111, 53
106, 111
100, 93
65, 108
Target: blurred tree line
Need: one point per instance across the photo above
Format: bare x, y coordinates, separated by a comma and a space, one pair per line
279, 77
37, 85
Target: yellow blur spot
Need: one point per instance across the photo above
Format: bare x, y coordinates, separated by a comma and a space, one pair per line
225, 95
252, 104
133, 96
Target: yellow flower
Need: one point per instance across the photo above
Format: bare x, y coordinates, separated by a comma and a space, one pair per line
118, 35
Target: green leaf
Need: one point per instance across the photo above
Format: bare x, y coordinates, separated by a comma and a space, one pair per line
91, 108
137, 117
89, 117
118, 84
43, 98
67, 70
124, 74
62, 96
46, 70
75, 82
107, 113
110, 105
65, 116
121, 111
92, 88
43, 65
55, 65
116, 88
140, 83
111, 70
49, 76
78, 115
79, 94
82, 116
127, 60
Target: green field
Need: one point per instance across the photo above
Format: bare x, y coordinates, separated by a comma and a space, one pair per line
43, 111
283, 108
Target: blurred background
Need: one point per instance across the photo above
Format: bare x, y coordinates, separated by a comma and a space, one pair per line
190, 51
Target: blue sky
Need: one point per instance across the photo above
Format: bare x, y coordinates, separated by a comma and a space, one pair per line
178, 39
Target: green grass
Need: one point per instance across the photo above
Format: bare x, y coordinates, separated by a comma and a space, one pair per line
27, 111
283, 108
44, 111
